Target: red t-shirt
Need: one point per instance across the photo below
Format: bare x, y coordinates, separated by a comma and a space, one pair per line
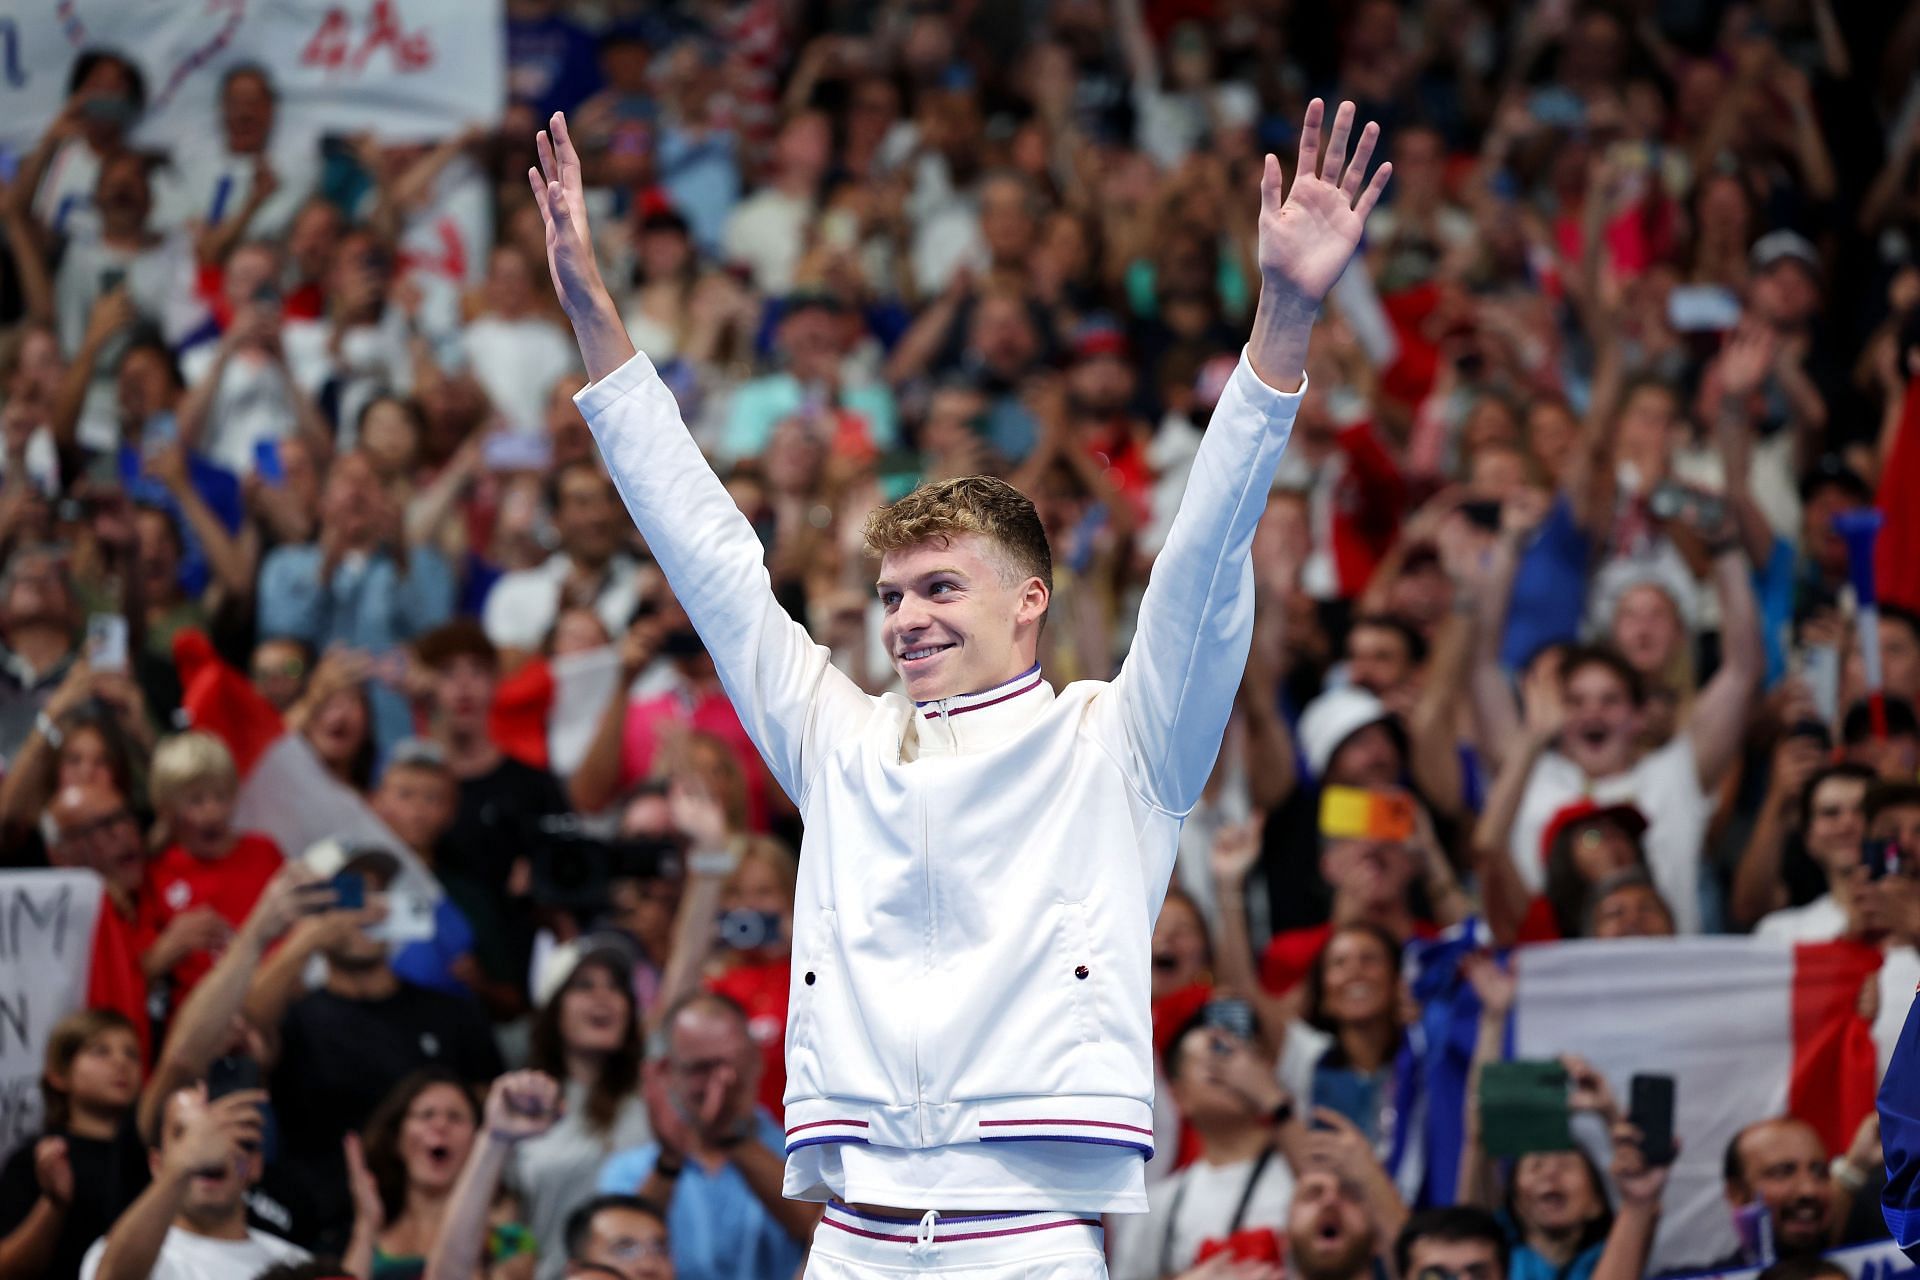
762, 988
178, 882
115, 981
1290, 956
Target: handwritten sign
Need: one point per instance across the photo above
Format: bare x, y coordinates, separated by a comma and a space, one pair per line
47, 920
405, 70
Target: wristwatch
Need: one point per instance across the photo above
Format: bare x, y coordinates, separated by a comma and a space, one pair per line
738, 1136
668, 1166
1848, 1174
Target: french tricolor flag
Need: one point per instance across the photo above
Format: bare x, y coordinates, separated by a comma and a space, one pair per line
1748, 1030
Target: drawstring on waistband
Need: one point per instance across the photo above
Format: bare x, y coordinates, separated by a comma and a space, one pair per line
924, 1245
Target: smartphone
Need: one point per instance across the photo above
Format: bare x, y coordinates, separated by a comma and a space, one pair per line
1650, 1110
107, 642
1523, 1108
266, 463
1482, 515
233, 1073
349, 891
1233, 1016
1703, 308
1820, 668
1881, 858
1671, 500
1351, 813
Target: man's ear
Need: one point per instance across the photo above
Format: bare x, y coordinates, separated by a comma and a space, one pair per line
1034, 599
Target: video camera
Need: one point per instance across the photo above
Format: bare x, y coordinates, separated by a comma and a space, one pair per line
573, 871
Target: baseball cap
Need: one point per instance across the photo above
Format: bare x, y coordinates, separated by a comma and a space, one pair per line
330, 858
1786, 246
1336, 716
1583, 811
1099, 335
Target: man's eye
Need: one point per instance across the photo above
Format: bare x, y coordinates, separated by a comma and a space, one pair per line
938, 587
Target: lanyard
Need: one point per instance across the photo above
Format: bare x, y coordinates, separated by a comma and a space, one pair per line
1239, 1213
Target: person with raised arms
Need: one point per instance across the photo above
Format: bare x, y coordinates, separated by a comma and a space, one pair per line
969, 1052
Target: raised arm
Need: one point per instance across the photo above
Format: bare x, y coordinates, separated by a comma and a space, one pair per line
790, 696
1169, 705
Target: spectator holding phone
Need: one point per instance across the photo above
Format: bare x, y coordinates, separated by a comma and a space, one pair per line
192, 1220
1235, 1196
62, 1190
395, 1028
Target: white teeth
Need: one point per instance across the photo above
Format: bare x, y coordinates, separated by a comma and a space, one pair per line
912, 655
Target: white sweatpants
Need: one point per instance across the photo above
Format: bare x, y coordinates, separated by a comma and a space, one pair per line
990, 1246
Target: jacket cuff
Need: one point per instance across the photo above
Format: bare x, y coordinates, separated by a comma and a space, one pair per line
594, 398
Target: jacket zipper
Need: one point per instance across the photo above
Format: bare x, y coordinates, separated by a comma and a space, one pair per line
926, 959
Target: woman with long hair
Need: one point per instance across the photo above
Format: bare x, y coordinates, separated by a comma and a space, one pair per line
403, 1172
586, 1036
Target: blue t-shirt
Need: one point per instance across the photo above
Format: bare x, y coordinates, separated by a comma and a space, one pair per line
718, 1227
1549, 588
430, 963
1528, 1265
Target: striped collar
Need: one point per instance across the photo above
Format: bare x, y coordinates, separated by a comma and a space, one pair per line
975, 721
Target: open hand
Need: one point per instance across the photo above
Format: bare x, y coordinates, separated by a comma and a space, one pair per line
1236, 848
1307, 238
369, 1211
562, 199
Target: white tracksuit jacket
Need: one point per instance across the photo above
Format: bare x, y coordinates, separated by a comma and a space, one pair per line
972, 927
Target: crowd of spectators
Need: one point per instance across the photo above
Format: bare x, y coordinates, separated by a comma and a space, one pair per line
1552, 555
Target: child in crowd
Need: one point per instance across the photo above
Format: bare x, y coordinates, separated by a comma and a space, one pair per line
208, 876
62, 1191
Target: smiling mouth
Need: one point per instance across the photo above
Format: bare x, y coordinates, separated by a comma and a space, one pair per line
923, 653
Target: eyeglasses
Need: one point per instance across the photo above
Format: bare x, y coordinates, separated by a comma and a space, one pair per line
99, 826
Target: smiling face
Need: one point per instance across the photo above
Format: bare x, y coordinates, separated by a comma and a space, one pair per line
1783, 1164
957, 619
1358, 977
435, 1136
1836, 822
1646, 628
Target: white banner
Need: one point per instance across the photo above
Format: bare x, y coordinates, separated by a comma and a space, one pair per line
47, 920
405, 70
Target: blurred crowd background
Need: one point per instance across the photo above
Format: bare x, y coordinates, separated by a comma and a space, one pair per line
1571, 625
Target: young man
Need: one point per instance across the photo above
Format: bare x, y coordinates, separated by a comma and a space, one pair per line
1460, 1241
1237, 1192
984, 857
191, 1222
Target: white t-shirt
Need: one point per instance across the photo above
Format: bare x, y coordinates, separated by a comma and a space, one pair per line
1821, 920
1664, 786
205, 183
186, 1256
767, 231
522, 606
251, 404
517, 362
1197, 1205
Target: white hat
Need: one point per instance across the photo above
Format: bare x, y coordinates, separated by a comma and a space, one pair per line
1335, 716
